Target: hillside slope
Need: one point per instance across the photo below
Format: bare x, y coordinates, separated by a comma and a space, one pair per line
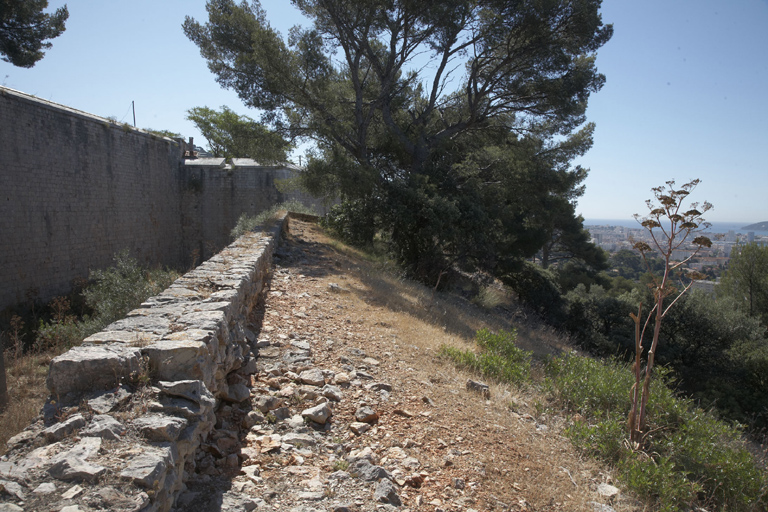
374, 338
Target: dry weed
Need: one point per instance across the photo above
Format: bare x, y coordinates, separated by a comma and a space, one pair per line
26, 391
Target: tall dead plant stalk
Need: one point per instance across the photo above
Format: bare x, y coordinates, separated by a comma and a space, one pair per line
675, 234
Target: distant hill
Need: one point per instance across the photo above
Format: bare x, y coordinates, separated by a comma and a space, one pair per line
759, 226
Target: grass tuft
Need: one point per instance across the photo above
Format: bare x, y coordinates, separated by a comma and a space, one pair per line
247, 223
499, 359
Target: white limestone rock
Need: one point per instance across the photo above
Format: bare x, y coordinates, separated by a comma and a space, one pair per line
89, 368
172, 360
160, 427
105, 427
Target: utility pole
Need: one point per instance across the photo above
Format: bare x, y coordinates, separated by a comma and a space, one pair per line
133, 106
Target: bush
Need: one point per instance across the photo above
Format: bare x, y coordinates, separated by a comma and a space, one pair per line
112, 293
352, 222
124, 286
689, 457
590, 387
499, 358
537, 288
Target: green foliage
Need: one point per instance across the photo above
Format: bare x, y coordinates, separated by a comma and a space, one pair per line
698, 335
25, 30
602, 440
247, 223
717, 353
537, 288
574, 272
340, 465
690, 458
111, 294
231, 135
599, 321
63, 330
124, 286
746, 280
499, 357
350, 221
472, 170
659, 480
591, 387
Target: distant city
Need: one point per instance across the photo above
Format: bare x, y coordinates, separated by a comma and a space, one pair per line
616, 235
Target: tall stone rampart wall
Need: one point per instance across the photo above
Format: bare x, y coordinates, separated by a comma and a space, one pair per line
75, 189
216, 194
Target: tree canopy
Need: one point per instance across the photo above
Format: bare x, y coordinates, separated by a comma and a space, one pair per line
746, 280
25, 30
232, 135
451, 124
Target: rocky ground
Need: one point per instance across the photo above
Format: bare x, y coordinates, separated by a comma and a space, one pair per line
351, 409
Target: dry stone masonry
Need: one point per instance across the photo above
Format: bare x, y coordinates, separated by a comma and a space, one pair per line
132, 406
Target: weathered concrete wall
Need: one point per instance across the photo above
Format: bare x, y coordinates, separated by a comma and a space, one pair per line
193, 342
74, 190
216, 194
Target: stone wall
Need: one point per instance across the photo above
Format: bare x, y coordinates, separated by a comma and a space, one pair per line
216, 194
75, 189
130, 407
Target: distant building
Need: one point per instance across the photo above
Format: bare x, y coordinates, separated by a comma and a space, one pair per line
681, 254
707, 287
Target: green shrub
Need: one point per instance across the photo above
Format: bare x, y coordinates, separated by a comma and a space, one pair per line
64, 334
122, 287
659, 480
537, 288
499, 358
688, 458
591, 387
352, 222
603, 439
112, 293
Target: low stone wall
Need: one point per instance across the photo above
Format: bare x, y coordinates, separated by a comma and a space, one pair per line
131, 406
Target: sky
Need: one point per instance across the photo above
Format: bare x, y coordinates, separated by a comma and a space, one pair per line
686, 93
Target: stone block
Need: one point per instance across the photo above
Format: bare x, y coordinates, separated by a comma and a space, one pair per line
148, 469
89, 368
193, 390
171, 360
160, 427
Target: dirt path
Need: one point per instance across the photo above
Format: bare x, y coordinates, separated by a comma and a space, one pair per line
399, 414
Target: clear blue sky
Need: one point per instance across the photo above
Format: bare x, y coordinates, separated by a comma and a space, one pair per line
686, 93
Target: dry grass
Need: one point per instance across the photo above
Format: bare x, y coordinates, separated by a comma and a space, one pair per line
26, 391
518, 465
